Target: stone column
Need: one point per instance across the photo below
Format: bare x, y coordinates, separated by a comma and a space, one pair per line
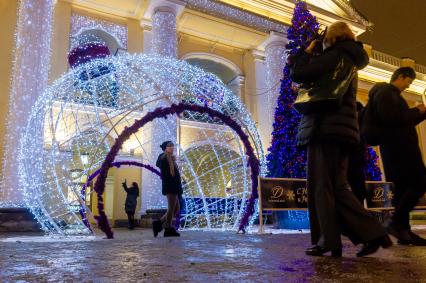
147, 36
60, 40
164, 37
135, 36
163, 16
275, 59
29, 79
7, 39
259, 95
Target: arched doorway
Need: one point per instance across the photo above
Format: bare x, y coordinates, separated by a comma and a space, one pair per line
227, 71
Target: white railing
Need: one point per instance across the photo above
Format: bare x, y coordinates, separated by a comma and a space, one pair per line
420, 68
394, 61
386, 58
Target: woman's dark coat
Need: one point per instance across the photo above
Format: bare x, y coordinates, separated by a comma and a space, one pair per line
340, 125
170, 184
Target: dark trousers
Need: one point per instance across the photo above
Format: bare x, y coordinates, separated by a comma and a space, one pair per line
356, 175
333, 208
131, 218
406, 197
405, 168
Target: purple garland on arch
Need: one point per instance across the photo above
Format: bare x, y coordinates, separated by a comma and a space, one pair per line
160, 112
85, 53
92, 176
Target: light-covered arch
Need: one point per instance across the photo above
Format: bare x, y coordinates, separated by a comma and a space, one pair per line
141, 81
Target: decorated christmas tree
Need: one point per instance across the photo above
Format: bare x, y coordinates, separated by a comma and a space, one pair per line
372, 171
285, 160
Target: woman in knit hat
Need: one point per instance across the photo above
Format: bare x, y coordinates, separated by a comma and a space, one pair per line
171, 188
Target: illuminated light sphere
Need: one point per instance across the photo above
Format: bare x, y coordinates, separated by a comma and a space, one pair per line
74, 123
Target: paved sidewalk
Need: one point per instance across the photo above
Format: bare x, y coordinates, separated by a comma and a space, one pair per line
135, 256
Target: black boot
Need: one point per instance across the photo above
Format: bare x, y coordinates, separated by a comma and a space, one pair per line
319, 251
157, 227
415, 240
401, 234
373, 245
171, 232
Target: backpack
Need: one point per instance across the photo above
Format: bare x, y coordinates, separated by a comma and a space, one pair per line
370, 126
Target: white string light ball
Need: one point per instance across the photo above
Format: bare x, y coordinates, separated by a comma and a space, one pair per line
84, 110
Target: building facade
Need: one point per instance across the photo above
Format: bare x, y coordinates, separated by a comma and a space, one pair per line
242, 42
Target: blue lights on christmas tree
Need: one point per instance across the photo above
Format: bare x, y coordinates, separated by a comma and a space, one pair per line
284, 159
372, 171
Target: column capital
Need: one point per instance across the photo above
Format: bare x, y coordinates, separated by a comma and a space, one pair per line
172, 6
408, 62
274, 38
368, 48
258, 55
237, 80
146, 24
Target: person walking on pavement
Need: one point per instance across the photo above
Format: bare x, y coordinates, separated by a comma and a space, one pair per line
329, 136
391, 122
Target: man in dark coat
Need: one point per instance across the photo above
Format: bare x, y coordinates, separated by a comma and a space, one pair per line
399, 147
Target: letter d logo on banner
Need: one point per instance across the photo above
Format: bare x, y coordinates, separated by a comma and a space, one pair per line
277, 192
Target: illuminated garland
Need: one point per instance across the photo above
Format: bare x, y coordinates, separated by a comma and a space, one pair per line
177, 109
85, 53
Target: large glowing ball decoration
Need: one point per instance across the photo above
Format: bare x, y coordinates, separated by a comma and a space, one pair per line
71, 129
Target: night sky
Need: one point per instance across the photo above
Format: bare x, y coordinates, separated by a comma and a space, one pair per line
399, 27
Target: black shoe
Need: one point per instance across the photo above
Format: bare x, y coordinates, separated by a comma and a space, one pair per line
373, 245
171, 232
157, 227
416, 240
401, 234
404, 242
386, 242
319, 251
130, 227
